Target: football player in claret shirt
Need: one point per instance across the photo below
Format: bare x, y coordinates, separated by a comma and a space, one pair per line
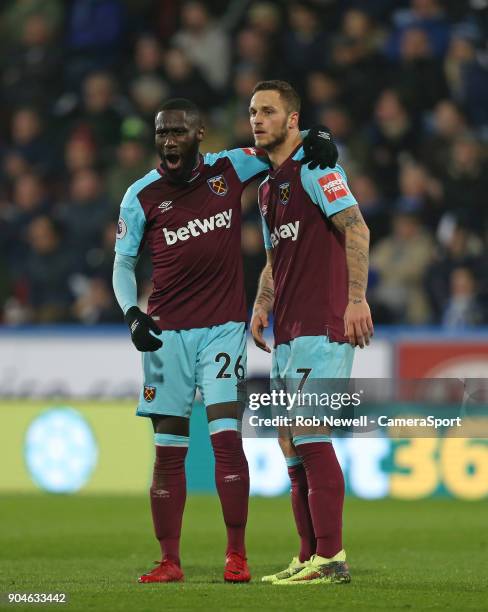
315, 283
187, 212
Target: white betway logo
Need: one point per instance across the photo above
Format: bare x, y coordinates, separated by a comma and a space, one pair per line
198, 227
287, 230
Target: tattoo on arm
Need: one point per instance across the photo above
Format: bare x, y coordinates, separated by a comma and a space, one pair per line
351, 223
265, 296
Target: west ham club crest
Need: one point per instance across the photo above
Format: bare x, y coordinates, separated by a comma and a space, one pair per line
149, 393
218, 185
284, 193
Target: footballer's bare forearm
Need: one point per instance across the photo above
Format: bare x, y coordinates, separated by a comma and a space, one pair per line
351, 223
265, 296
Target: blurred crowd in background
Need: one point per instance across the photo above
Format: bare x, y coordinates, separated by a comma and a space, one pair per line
403, 85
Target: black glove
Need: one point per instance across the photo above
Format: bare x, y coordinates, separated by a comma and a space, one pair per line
319, 148
140, 324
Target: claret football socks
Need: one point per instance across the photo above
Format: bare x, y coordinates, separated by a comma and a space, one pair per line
301, 511
232, 481
168, 496
325, 494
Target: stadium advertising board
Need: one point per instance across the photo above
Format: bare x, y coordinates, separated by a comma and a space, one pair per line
99, 447
102, 364
97, 376
442, 359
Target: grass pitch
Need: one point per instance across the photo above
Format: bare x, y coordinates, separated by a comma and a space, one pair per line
403, 555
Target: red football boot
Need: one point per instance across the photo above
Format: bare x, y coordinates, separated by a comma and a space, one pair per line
166, 571
236, 569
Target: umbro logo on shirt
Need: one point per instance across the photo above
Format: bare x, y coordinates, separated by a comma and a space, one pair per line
287, 230
198, 226
166, 205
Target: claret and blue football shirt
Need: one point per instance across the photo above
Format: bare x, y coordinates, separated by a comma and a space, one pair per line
193, 232
309, 259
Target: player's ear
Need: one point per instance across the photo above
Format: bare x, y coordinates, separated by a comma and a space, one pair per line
293, 120
200, 133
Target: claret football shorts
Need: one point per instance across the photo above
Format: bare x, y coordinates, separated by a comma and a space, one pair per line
211, 359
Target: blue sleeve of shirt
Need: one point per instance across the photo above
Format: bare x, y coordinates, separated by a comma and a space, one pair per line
328, 189
246, 162
266, 235
124, 281
131, 224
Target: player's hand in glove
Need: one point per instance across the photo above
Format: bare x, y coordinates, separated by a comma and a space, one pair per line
319, 148
141, 325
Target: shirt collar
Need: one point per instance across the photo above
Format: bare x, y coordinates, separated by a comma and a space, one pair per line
286, 164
